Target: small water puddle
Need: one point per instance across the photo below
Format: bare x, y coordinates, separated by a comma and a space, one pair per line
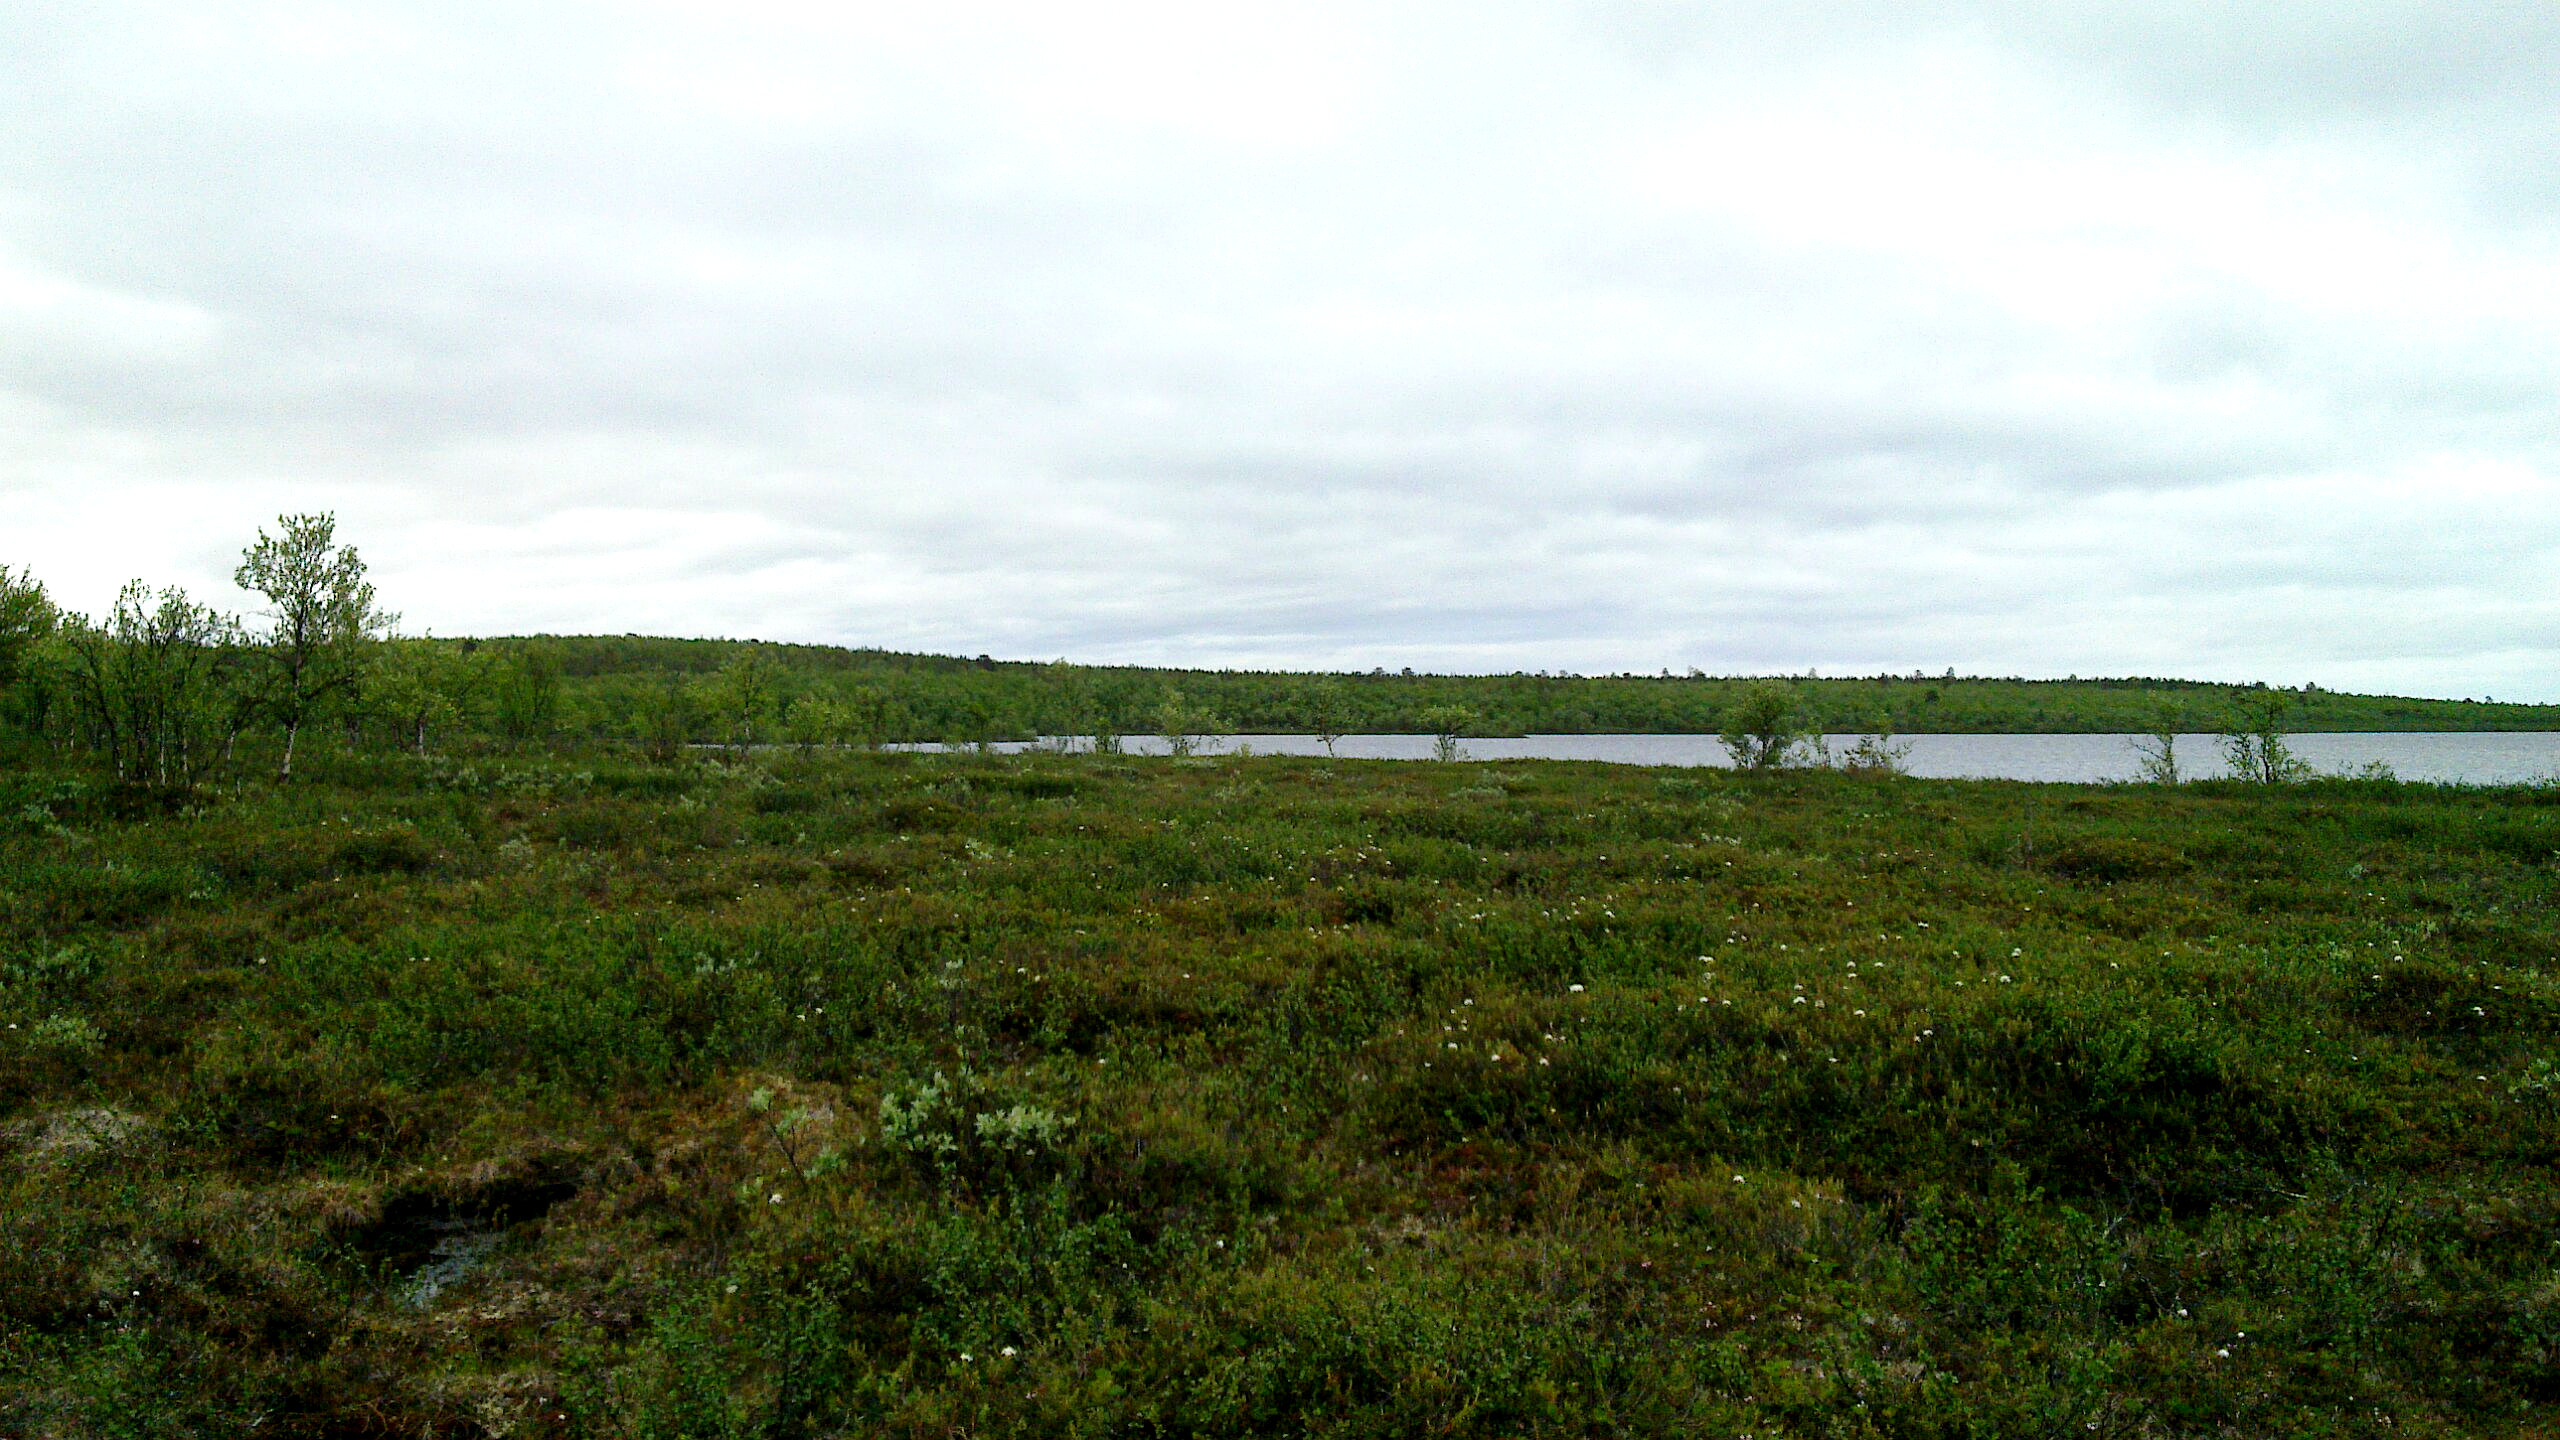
426, 1243
459, 1248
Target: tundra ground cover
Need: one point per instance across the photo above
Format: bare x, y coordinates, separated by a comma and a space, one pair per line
528, 1094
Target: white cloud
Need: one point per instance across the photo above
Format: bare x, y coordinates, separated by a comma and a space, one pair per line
2019, 338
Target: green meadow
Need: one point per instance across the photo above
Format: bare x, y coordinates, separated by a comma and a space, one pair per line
534, 1093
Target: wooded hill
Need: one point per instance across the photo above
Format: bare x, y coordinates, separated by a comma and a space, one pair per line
605, 684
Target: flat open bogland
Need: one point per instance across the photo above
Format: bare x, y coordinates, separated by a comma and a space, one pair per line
934, 1096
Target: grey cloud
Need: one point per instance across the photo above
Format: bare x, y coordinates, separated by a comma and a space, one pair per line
1450, 353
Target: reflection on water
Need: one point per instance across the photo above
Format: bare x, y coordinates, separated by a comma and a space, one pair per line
2472, 758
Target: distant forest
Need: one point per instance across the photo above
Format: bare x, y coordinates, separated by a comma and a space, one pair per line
620, 686
166, 690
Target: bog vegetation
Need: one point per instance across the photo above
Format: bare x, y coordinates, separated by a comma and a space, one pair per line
474, 1082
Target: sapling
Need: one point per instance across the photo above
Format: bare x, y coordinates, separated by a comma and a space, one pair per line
27, 616
324, 622
1764, 727
1447, 723
1877, 753
2158, 747
1187, 730
151, 688
1327, 709
2255, 745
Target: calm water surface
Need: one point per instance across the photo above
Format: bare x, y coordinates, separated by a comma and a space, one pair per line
2472, 758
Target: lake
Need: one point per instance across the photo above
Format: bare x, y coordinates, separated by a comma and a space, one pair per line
2466, 757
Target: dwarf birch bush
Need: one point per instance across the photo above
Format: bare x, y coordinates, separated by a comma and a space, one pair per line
152, 687
960, 1130
2255, 747
1765, 728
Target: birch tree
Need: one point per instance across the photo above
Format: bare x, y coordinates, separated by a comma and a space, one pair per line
147, 686
322, 618
27, 617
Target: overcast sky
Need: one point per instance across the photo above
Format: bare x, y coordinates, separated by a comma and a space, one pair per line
2218, 340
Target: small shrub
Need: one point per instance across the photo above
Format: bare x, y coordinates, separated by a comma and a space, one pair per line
2108, 858
50, 972
66, 1035
1036, 785
2255, 747
1188, 729
39, 809
109, 894
2157, 746
960, 1131
785, 800
385, 852
2538, 1085
1364, 900
1876, 754
654, 783
594, 826
1765, 727
1447, 723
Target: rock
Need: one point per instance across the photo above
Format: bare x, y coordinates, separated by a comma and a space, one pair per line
83, 1131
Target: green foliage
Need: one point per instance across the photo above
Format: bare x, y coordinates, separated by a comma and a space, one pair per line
1187, 728
829, 1091
525, 690
2108, 859
1765, 728
1327, 712
27, 619
743, 698
151, 689
1447, 723
2157, 747
926, 698
322, 623
2254, 747
834, 720
423, 689
963, 1131
668, 717
69, 1034
1876, 752
2537, 1084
